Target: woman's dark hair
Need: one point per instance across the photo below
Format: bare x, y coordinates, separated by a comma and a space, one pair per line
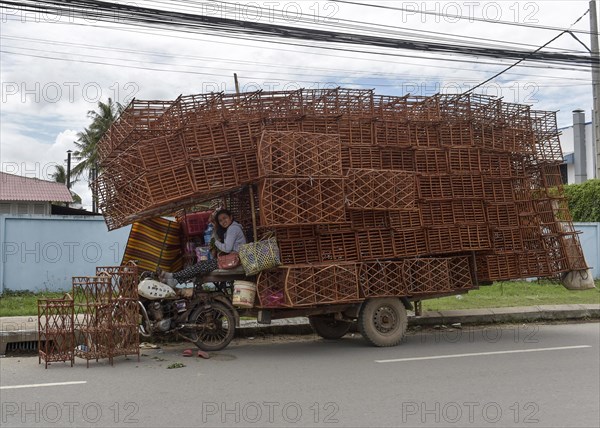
220, 229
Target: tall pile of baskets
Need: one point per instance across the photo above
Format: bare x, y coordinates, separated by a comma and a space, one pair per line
355, 185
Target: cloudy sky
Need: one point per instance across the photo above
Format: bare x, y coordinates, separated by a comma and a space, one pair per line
55, 68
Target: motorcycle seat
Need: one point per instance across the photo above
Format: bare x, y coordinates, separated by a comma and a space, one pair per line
236, 270
225, 274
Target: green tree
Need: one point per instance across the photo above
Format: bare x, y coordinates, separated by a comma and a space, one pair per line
86, 153
584, 200
60, 176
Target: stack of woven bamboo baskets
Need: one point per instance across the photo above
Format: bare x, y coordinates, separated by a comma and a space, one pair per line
354, 185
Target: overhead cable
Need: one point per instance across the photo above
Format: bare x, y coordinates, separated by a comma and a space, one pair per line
157, 18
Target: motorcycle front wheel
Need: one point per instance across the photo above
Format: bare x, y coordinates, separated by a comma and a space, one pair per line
218, 324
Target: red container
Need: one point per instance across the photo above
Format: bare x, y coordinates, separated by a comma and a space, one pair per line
194, 224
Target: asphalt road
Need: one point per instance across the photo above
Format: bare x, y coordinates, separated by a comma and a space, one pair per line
525, 375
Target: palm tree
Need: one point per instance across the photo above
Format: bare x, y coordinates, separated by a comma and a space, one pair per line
87, 141
86, 153
60, 176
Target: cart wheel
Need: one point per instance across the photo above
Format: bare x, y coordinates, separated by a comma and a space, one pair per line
382, 321
220, 326
328, 327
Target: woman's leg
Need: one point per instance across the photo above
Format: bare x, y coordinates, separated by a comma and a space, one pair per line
201, 268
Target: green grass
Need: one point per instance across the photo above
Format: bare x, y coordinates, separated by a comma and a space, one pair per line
515, 293
22, 303
500, 294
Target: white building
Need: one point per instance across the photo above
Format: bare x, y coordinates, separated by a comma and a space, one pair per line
577, 142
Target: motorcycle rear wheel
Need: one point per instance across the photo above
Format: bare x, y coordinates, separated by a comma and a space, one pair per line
220, 329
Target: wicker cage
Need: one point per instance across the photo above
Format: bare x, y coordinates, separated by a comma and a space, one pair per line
380, 176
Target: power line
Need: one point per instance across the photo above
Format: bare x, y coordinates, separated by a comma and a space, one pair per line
105, 11
260, 37
339, 49
525, 58
232, 61
378, 28
368, 85
461, 17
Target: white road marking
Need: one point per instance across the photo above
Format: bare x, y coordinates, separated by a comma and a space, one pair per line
38, 385
478, 354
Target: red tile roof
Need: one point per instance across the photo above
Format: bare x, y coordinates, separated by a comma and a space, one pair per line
16, 188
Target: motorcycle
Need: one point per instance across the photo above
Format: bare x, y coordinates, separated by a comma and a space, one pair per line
205, 318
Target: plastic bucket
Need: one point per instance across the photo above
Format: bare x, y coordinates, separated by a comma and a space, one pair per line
244, 293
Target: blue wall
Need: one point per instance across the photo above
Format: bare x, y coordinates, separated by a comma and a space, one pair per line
45, 252
40, 252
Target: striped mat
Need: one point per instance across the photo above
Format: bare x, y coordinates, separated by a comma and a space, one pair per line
155, 243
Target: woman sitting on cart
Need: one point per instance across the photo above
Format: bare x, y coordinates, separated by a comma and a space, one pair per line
230, 236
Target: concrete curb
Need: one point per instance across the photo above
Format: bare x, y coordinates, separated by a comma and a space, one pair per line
24, 329
509, 315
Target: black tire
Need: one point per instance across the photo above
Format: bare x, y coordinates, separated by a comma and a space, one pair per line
382, 321
328, 327
221, 328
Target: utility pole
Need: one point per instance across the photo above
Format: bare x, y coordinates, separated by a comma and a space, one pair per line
237, 84
93, 176
595, 81
69, 171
